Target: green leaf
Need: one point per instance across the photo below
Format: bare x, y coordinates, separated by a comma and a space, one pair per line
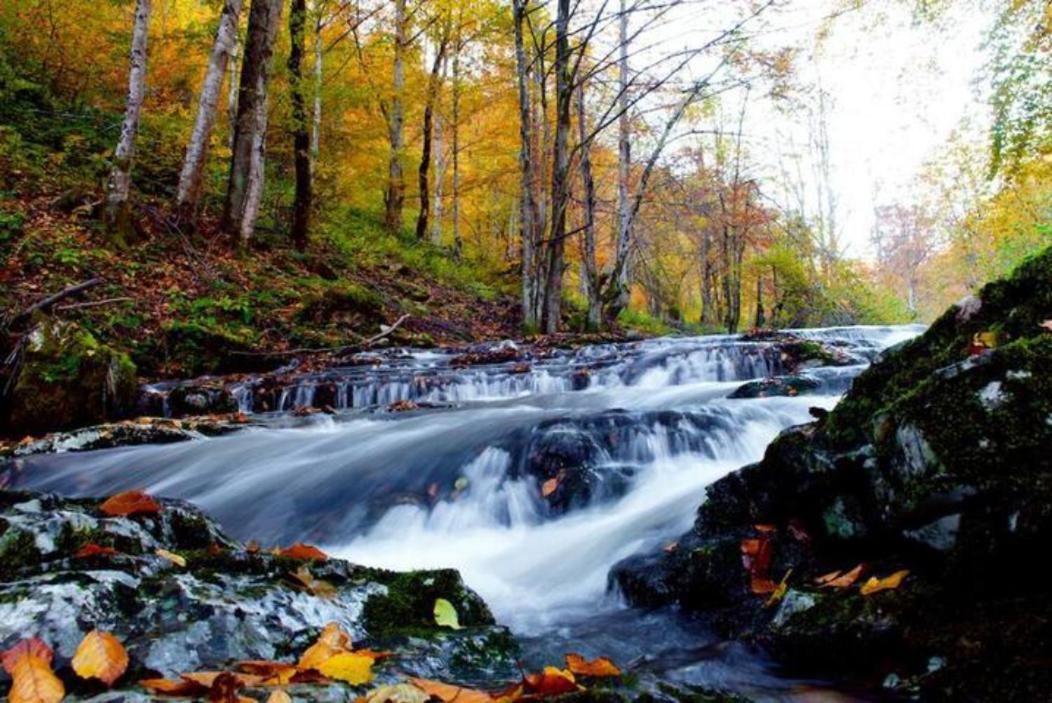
446, 614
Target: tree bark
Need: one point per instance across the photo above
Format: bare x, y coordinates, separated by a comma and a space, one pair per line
433, 85
231, 96
440, 176
527, 214
301, 204
620, 280
551, 318
244, 189
458, 243
315, 132
589, 271
188, 195
118, 208
394, 198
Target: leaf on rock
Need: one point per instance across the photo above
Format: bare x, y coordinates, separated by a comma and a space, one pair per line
168, 687
305, 579
32, 680
840, 579
129, 503
597, 668
352, 667
305, 552
756, 558
875, 585
279, 696
553, 681
780, 590
208, 678
271, 673
449, 693
171, 556
549, 487
95, 550
100, 655
446, 614
224, 688
396, 693
332, 641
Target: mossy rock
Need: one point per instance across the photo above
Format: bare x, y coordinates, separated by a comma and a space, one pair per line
69, 379
339, 301
198, 348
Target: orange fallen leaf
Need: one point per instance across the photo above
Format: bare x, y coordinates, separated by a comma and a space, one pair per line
448, 693
887, 583
32, 680
762, 586
302, 551
764, 529
224, 688
208, 678
272, 673
129, 503
332, 641
95, 550
305, 579
553, 681
549, 487
168, 687
839, 579
597, 668
100, 655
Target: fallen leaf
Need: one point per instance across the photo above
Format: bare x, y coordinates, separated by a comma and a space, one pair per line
553, 681
32, 680
762, 586
779, 592
597, 668
279, 696
875, 585
95, 550
839, 579
449, 693
168, 687
330, 642
272, 673
303, 577
129, 503
549, 487
446, 614
352, 667
302, 551
100, 655
764, 529
224, 688
171, 556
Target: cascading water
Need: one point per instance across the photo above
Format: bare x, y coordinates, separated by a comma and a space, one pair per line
630, 433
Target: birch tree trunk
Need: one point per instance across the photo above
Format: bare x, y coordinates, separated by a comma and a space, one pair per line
394, 198
458, 243
118, 208
188, 195
622, 272
315, 132
231, 95
560, 171
527, 212
301, 204
244, 189
589, 272
440, 176
433, 86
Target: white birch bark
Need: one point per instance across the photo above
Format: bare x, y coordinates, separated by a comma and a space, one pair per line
440, 177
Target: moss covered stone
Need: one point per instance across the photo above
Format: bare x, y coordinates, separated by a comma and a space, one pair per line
69, 379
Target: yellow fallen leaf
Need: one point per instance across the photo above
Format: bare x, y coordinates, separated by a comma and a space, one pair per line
353, 668
171, 556
331, 641
446, 614
100, 655
32, 680
780, 590
875, 585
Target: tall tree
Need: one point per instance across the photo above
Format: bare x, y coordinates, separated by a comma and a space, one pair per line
527, 206
188, 194
245, 185
301, 139
118, 208
552, 312
622, 270
394, 197
434, 81
589, 270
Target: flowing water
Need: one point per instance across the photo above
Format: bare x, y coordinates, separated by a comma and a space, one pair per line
456, 482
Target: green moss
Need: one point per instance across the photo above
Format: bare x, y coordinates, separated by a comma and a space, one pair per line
408, 606
18, 552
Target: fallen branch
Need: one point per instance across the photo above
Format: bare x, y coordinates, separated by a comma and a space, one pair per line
43, 305
376, 338
93, 303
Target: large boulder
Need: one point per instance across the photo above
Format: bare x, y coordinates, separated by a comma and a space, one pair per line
937, 462
68, 379
228, 603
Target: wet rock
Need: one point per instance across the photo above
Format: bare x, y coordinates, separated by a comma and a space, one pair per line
229, 603
200, 399
776, 386
68, 379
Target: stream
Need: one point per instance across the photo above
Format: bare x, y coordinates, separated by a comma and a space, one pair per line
456, 480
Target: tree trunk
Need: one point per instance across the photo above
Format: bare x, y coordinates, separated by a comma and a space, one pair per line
560, 171
231, 93
244, 189
118, 208
301, 204
315, 132
620, 294
458, 243
527, 212
440, 176
188, 195
433, 85
760, 319
394, 198
589, 271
